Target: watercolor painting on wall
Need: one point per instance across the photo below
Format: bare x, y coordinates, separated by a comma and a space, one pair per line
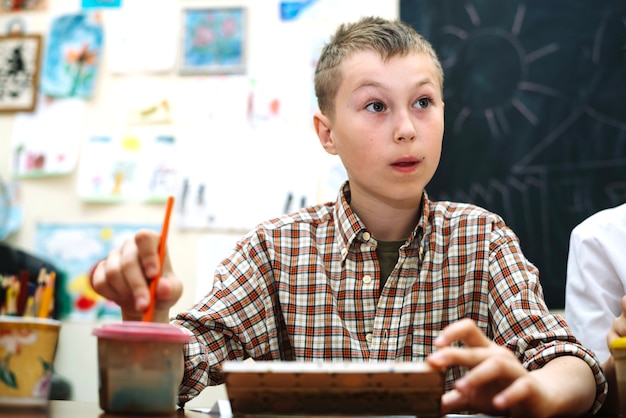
213, 41
117, 168
72, 56
34, 154
75, 248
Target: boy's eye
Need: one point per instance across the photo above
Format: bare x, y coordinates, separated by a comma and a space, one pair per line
422, 103
375, 107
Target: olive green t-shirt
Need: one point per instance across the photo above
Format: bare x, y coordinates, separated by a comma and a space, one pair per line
387, 252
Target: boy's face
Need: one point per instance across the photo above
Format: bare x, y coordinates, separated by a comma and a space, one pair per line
387, 127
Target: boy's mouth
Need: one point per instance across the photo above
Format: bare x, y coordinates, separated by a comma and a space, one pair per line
405, 162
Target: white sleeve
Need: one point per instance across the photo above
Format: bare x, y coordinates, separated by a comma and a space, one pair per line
594, 289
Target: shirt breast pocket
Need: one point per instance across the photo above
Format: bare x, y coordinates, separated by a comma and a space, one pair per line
422, 342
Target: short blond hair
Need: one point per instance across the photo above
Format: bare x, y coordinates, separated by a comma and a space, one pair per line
387, 37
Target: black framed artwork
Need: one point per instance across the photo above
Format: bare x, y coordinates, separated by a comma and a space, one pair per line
19, 72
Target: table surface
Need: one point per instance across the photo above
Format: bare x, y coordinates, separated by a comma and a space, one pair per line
75, 409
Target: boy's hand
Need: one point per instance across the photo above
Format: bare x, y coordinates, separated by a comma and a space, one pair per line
124, 275
497, 383
618, 329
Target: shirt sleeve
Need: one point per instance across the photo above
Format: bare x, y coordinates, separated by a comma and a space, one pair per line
233, 322
593, 290
522, 320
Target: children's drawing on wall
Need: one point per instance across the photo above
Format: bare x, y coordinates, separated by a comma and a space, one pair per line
11, 211
36, 150
213, 41
263, 106
142, 102
237, 183
149, 50
272, 102
130, 167
75, 248
291, 9
146, 112
12, 6
326, 10
191, 204
204, 102
72, 56
19, 72
99, 4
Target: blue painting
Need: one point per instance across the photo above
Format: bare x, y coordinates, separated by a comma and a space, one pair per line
213, 41
74, 249
72, 56
97, 4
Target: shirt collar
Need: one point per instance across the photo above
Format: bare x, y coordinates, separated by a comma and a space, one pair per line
350, 227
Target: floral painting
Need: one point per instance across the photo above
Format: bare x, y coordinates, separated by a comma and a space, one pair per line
213, 41
72, 57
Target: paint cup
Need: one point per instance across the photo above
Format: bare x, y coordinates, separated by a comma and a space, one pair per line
618, 350
27, 349
140, 366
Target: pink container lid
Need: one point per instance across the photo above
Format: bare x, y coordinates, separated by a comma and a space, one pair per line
142, 331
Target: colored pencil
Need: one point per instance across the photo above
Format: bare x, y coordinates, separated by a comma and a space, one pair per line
47, 297
22, 297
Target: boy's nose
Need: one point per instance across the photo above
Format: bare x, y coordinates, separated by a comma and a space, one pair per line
404, 129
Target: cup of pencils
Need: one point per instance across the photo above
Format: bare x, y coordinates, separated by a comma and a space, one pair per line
27, 349
28, 339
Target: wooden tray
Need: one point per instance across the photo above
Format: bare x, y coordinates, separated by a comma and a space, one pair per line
333, 388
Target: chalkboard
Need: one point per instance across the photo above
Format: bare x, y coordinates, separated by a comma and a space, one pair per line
535, 114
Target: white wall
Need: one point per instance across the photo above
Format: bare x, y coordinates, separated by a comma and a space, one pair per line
55, 199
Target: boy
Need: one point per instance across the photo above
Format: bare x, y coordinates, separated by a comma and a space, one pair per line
596, 277
594, 291
383, 273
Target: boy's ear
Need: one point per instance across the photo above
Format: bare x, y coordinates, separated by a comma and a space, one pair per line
323, 127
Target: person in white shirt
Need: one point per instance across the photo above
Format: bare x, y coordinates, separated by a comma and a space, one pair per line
596, 278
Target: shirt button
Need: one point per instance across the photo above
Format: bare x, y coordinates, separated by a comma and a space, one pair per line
366, 236
367, 279
368, 338
344, 252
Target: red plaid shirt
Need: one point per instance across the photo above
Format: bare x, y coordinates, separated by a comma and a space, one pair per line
305, 286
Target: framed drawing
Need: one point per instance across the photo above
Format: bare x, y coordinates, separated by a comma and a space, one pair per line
213, 41
12, 6
19, 72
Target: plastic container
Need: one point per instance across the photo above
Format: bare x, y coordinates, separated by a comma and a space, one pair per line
618, 350
27, 350
140, 367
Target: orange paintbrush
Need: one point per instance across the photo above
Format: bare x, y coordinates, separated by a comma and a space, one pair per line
147, 316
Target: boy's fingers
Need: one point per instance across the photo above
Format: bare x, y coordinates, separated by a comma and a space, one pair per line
147, 243
136, 273
168, 292
468, 357
464, 330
